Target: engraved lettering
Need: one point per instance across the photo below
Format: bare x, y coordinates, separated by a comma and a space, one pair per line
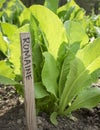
28, 77
28, 71
27, 62
26, 40
27, 58
27, 55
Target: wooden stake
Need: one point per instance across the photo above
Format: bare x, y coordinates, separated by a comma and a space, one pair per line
28, 80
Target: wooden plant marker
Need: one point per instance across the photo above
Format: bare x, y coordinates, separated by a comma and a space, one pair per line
28, 80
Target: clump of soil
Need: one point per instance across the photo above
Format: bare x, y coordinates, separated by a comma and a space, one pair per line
12, 115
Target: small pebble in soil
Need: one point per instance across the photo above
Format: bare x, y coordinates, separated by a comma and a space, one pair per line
19, 121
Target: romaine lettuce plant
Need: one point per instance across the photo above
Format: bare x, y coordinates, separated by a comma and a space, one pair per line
65, 62
10, 11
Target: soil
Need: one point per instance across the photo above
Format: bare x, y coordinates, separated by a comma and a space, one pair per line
12, 115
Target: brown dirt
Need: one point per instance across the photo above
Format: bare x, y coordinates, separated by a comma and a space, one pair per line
12, 115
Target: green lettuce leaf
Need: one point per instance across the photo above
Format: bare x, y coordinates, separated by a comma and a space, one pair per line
52, 4
37, 48
53, 118
8, 29
88, 98
70, 11
3, 45
51, 26
50, 74
76, 34
25, 16
7, 81
90, 56
65, 71
15, 49
5, 70
11, 10
40, 91
86, 62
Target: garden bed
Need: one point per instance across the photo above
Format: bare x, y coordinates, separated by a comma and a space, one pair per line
66, 57
12, 115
